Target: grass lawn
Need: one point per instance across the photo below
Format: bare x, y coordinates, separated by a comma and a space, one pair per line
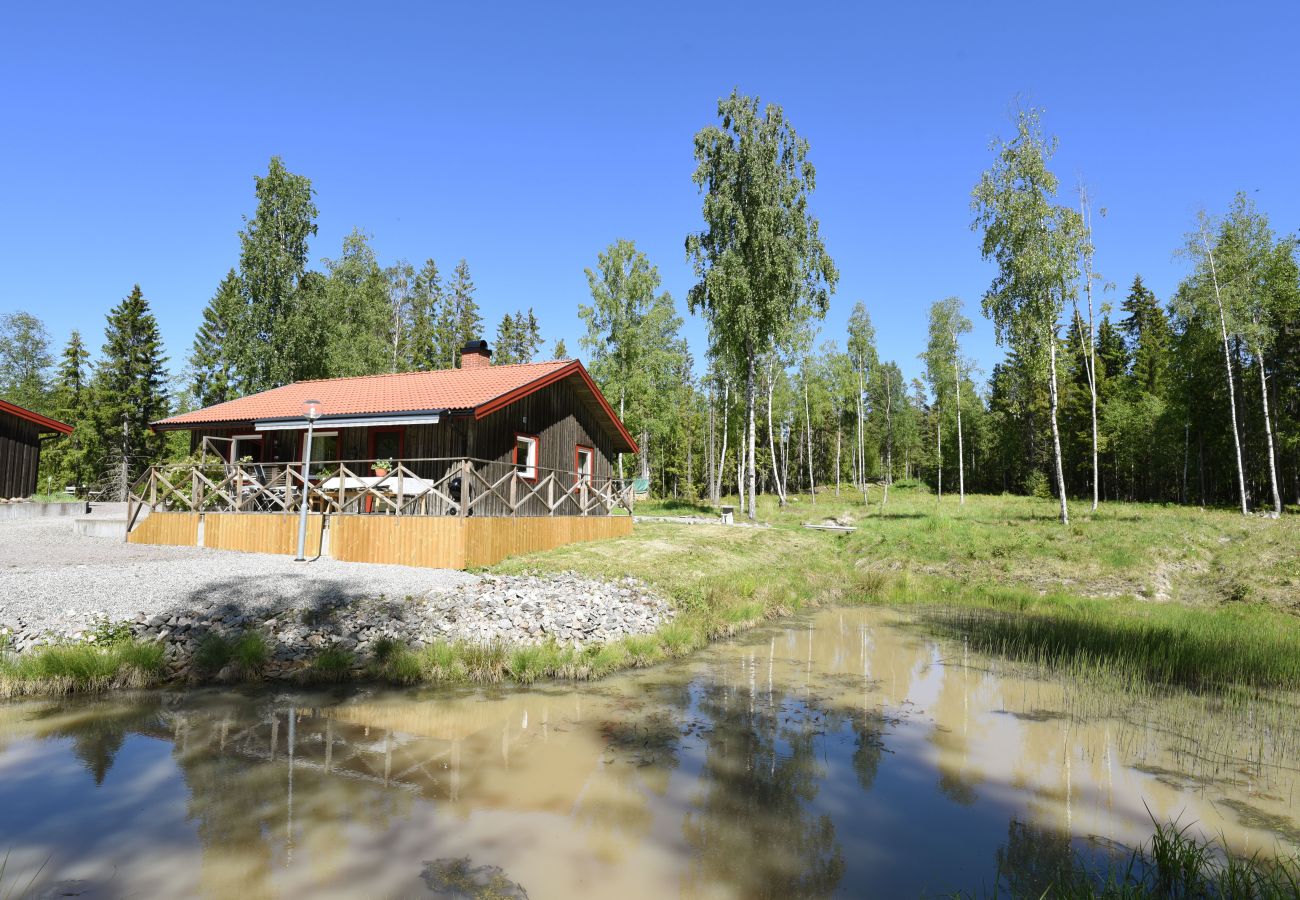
1168, 594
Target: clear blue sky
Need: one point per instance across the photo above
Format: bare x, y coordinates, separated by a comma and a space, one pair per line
527, 139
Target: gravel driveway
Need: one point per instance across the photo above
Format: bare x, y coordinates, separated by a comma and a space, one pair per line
53, 578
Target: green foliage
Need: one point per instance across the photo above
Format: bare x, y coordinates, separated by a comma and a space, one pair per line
274, 338
518, 338
24, 360
212, 367
130, 390
633, 336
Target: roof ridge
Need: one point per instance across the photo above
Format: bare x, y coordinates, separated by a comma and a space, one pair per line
498, 367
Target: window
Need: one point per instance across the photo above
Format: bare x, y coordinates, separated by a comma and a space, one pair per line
386, 445
526, 456
324, 449
583, 459
249, 445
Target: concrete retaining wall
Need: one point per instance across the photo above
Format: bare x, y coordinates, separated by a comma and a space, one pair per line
33, 510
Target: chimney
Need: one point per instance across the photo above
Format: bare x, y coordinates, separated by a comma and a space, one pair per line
476, 355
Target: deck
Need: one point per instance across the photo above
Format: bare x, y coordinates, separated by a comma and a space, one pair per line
442, 513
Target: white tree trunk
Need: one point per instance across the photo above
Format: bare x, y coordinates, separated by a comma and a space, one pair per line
771, 439
807, 418
749, 430
839, 428
961, 460
1056, 431
1227, 362
1268, 433
938, 443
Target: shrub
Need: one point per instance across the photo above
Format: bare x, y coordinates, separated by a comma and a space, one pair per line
331, 665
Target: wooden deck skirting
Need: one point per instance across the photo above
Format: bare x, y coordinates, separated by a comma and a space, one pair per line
445, 543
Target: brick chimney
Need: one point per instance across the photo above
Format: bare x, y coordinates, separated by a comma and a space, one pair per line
476, 355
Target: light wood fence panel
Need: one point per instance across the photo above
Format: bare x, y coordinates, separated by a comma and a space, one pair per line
259, 532
177, 529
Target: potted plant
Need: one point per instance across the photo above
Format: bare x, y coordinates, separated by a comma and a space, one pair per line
382, 467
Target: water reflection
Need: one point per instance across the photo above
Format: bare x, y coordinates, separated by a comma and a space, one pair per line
848, 754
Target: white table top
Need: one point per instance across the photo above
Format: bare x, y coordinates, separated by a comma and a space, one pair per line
408, 484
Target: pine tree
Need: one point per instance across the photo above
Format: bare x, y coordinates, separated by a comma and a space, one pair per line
425, 307
212, 374
560, 351
64, 460
1146, 329
460, 321
130, 392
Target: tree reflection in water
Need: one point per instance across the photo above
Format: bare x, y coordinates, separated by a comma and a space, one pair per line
760, 777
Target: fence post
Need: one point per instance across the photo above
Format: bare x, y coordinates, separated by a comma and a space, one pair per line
153, 488
550, 497
465, 468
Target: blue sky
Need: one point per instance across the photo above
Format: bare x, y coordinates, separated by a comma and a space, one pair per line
526, 138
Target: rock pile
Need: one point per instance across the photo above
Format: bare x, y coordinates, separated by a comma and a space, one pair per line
568, 608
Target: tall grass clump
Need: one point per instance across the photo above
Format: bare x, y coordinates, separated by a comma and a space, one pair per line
1174, 864
331, 666
76, 668
247, 652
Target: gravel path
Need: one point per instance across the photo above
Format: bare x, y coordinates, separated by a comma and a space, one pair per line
53, 578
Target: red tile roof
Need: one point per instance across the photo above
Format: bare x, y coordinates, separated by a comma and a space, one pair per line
480, 390
44, 423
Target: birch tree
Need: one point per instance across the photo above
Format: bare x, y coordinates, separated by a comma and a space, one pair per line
1208, 300
862, 354
762, 267
943, 372
1090, 357
1035, 245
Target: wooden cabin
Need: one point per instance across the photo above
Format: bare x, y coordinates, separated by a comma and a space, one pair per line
21, 431
531, 443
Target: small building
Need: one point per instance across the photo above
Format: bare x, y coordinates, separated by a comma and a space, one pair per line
453, 451
21, 431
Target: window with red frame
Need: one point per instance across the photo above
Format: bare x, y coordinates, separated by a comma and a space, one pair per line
583, 460
526, 455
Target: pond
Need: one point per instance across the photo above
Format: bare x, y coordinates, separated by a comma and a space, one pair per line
850, 752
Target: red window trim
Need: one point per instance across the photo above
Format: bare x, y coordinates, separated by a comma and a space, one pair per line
577, 468
399, 430
537, 463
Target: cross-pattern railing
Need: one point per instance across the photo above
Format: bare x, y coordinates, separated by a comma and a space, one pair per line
457, 486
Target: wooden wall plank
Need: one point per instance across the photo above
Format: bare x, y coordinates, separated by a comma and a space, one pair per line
259, 532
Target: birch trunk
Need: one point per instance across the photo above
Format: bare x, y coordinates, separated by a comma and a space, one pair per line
771, 441
749, 429
1227, 362
1268, 433
839, 429
807, 419
1091, 367
938, 443
961, 459
889, 438
722, 456
1056, 431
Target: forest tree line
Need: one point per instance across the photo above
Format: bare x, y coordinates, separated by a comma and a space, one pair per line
1193, 398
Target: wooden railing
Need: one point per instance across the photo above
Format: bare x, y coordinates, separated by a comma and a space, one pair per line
459, 486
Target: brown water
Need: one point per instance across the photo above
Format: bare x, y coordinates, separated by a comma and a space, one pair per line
844, 754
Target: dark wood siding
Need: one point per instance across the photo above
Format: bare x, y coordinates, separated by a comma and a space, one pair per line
555, 415
20, 456
560, 422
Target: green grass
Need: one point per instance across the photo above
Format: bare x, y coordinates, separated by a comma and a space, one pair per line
69, 668
332, 665
248, 652
1169, 595
1175, 864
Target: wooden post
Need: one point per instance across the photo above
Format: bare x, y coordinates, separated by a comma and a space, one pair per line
550, 497
153, 488
466, 467
514, 490
400, 495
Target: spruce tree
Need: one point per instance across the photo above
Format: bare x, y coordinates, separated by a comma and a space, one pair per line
560, 351
212, 373
461, 320
1146, 329
504, 350
426, 306
130, 392
64, 459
